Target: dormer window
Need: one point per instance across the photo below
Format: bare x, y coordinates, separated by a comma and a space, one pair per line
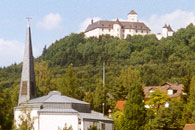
170, 92
151, 91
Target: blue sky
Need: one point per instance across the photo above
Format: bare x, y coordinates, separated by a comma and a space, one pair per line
52, 20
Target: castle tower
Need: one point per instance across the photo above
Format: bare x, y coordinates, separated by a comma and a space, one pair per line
132, 16
165, 31
27, 84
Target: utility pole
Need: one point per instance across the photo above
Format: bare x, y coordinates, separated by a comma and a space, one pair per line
104, 74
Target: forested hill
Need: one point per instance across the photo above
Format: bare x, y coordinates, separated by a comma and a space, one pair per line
169, 59
73, 65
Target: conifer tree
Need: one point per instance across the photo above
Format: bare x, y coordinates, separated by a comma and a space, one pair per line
134, 112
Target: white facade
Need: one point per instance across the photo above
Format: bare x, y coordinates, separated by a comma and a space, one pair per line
120, 29
166, 32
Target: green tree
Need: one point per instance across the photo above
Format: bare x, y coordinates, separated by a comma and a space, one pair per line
170, 117
66, 127
157, 99
93, 127
26, 122
117, 117
134, 111
189, 111
44, 80
99, 97
69, 84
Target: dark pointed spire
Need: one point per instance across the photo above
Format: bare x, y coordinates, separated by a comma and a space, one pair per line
27, 84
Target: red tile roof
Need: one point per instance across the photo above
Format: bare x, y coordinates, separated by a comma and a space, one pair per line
120, 105
189, 127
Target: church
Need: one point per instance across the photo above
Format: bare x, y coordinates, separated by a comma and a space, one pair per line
52, 111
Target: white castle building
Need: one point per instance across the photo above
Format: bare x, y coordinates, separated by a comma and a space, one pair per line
54, 110
167, 31
118, 28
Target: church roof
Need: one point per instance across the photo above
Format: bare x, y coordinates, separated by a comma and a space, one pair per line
92, 116
56, 97
124, 24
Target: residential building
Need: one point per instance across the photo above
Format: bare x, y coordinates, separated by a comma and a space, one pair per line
118, 28
173, 90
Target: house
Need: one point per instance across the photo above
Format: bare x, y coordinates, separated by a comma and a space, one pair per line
173, 90
54, 110
189, 127
118, 28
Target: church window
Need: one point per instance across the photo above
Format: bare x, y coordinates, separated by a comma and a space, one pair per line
24, 88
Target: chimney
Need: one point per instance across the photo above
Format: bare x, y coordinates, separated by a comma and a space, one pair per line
92, 21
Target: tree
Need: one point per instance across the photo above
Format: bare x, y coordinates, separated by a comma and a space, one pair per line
93, 127
117, 117
26, 122
189, 111
69, 84
134, 111
44, 81
170, 117
157, 99
66, 127
99, 97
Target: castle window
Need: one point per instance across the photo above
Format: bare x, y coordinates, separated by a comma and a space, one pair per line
142, 31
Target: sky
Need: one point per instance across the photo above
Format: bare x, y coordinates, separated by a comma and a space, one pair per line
52, 20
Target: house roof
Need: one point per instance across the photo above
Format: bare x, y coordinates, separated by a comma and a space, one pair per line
189, 127
132, 12
169, 28
120, 105
123, 24
177, 87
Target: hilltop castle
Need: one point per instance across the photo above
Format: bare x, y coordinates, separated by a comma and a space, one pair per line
118, 28
122, 29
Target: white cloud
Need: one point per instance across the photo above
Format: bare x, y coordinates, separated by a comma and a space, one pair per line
86, 22
10, 52
177, 19
50, 22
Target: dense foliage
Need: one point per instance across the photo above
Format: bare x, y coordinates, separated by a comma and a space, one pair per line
74, 61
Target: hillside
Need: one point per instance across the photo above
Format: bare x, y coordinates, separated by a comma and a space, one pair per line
74, 62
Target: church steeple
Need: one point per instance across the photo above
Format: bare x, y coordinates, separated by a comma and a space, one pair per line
27, 84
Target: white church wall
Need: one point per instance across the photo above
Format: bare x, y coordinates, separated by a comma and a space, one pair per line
19, 112
53, 121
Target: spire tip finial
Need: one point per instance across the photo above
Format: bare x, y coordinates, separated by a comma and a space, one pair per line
28, 21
